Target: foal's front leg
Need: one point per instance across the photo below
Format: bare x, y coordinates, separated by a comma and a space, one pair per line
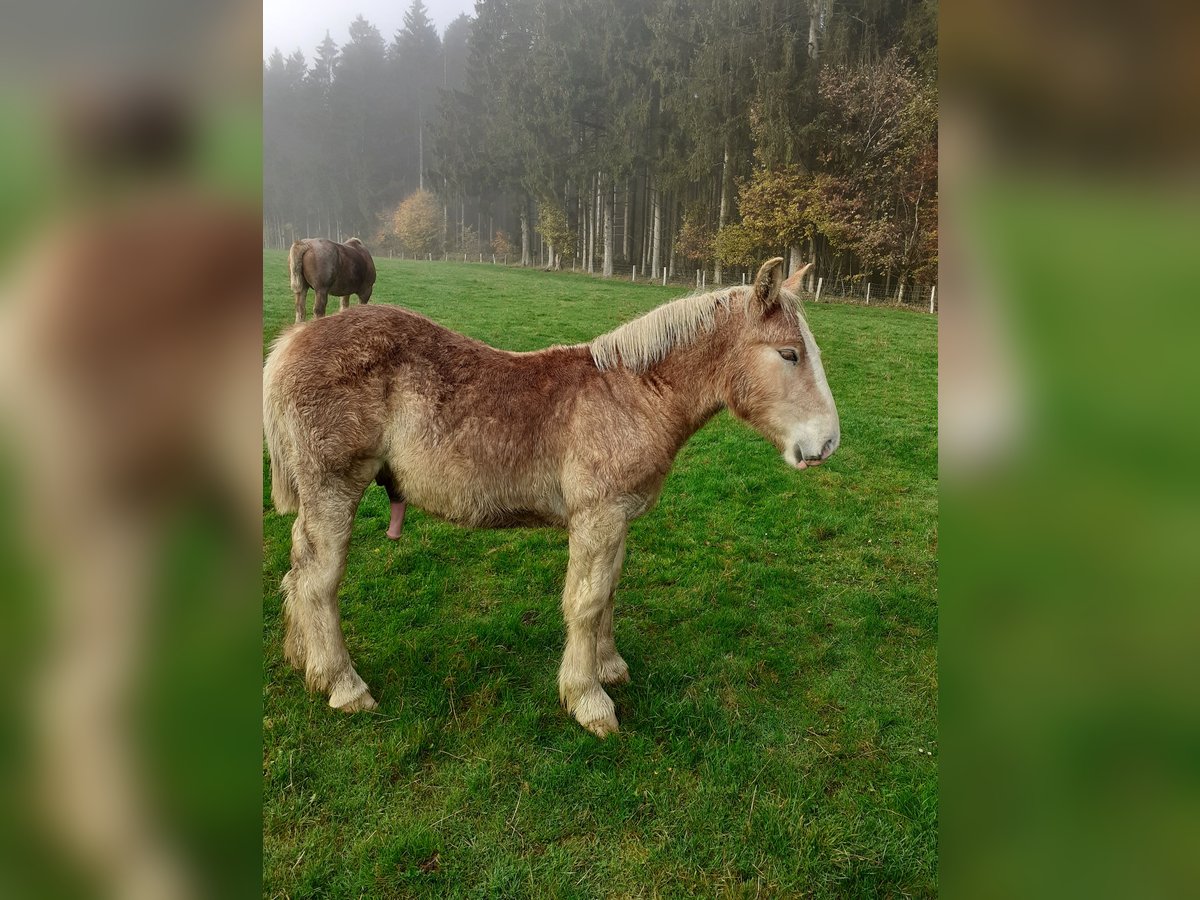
596, 541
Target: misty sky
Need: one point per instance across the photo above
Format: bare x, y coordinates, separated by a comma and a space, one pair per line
288, 24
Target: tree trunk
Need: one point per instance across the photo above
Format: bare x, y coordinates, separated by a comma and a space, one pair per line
596, 192
420, 149
525, 232
580, 246
608, 234
587, 235
793, 258
646, 223
625, 228
669, 238
656, 229
723, 214
816, 14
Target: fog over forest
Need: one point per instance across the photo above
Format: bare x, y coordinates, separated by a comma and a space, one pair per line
607, 134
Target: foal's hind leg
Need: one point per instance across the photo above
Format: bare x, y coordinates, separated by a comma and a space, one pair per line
320, 302
613, 669
320, 538
344, 303
301, 300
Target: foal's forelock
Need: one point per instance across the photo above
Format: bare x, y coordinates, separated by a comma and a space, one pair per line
651, 337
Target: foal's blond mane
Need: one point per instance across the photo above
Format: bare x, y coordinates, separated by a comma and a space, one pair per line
648, 339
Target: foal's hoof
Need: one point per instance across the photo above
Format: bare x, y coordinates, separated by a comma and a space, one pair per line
362, 703
393, 534
350, 694
602, 728
595, 712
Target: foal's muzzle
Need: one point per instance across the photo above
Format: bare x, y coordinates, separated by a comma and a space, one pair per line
807, 460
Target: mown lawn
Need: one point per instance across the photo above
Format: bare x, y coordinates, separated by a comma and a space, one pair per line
779, 734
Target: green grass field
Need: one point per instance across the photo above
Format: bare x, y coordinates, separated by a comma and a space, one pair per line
779, 734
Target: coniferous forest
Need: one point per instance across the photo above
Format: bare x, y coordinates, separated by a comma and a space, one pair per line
604, 134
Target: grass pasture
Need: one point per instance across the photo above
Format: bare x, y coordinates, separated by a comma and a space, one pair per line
779, 734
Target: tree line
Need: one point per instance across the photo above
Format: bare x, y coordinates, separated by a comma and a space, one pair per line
610, 133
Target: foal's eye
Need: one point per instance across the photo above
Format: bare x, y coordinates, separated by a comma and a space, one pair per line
789, 354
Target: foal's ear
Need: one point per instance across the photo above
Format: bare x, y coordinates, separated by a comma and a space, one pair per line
792, 285
768, 281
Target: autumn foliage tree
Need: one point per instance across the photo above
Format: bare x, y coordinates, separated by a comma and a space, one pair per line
772, 202
502, 245
417, 223
739, 245
556, 231
869, 200
695, 241
878, 196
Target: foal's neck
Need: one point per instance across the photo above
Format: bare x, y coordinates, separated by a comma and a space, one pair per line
693, 379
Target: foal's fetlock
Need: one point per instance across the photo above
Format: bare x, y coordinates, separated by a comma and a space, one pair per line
614, 670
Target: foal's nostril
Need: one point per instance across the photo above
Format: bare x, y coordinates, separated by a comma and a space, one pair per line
827, 450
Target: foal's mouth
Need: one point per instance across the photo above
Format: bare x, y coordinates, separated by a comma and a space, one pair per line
806, 463
794, 456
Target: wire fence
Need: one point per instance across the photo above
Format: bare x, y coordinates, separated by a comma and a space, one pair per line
817, 288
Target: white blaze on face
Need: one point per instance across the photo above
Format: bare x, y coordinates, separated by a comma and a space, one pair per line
820, 425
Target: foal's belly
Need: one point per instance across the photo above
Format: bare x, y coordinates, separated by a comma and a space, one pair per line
483, 502
488, 516
513, 518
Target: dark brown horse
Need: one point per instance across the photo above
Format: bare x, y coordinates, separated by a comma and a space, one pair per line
578, 437
330, 268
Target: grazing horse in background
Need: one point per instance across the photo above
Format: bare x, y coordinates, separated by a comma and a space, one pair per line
577, 437
329, 268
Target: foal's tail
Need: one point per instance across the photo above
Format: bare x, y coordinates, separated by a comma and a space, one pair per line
275, 422
296, 265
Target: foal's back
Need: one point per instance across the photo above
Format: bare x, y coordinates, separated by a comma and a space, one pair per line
470, 432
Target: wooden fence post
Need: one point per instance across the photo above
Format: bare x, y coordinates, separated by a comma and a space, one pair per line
664, 276
900, 294
820, 281
932, 294
868, 293
633, 274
